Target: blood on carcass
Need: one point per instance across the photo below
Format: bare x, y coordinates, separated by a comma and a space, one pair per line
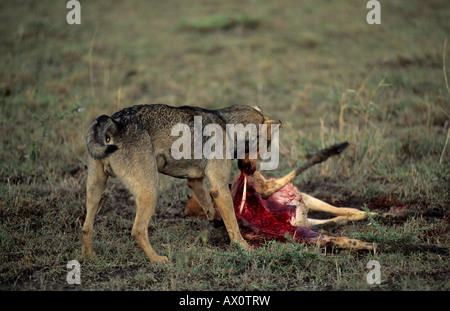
268, 219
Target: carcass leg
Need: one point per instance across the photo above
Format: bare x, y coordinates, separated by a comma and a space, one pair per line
343, 243
317, 205
323, 223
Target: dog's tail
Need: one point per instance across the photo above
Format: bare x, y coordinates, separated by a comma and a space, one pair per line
100, 137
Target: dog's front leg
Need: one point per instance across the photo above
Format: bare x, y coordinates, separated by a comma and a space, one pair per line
224, 202
218, 173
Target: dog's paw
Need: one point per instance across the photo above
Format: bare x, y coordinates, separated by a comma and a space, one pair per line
87, 253
160, 259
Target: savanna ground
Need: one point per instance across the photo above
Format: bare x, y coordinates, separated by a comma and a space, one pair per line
316, 65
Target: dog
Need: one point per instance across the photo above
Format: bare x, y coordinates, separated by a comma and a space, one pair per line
135, 144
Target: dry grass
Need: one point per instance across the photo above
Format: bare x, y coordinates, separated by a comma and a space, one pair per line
319, 67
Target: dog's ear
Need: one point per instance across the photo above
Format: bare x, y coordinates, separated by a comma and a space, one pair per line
270, 122
257, 108
267, 135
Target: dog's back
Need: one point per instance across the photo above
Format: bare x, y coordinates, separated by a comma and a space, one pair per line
124, 127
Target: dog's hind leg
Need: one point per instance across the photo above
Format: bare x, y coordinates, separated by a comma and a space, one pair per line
198, 187
141, 178
146, 203
96, 183
145, 189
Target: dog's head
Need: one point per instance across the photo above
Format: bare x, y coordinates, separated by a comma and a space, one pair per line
260, 139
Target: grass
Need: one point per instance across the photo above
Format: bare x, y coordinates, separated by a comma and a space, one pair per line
318, 67
219, 23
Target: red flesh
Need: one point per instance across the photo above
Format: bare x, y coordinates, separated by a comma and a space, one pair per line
269, 219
